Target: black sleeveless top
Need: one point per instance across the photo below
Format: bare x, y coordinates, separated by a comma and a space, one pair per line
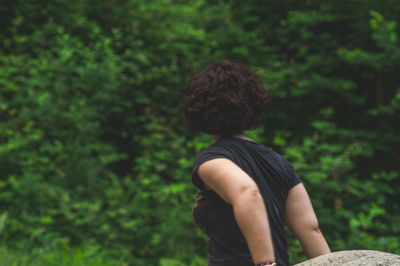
274, 176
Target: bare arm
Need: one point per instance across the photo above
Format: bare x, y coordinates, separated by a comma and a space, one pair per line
301, 219
232, 184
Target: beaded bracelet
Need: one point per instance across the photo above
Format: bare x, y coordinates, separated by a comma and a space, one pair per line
267, 263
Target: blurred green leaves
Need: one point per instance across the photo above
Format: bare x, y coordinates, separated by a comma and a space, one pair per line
93, 151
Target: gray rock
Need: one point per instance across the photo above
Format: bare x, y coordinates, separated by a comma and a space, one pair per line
354, 258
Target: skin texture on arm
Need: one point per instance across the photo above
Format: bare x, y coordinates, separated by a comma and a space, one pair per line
301, 219
237, 188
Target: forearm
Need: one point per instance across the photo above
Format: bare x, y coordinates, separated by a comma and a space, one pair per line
251, 216
314, 243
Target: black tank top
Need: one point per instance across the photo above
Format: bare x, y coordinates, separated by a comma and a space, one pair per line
274, 176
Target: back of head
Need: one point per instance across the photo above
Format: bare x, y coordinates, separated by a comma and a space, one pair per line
224, 98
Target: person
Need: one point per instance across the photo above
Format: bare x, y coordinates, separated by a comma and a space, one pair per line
246, 191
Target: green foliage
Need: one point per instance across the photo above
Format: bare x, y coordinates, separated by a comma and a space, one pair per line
95, 162
83, 256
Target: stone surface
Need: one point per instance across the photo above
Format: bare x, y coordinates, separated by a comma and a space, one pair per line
354, 258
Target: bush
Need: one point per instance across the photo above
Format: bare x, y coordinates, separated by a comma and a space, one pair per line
95, 160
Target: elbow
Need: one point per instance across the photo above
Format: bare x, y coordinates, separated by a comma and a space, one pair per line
311, 224
315, 229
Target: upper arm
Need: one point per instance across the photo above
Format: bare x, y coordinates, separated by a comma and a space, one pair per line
226, 178
300, 216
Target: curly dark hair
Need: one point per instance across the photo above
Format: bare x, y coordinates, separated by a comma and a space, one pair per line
225, 98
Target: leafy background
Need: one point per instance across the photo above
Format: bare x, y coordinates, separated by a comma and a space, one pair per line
95, 162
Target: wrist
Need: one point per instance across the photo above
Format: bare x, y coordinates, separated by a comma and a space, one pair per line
267, 263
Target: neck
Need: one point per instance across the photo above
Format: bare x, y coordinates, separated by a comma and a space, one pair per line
241, 136
216, 136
